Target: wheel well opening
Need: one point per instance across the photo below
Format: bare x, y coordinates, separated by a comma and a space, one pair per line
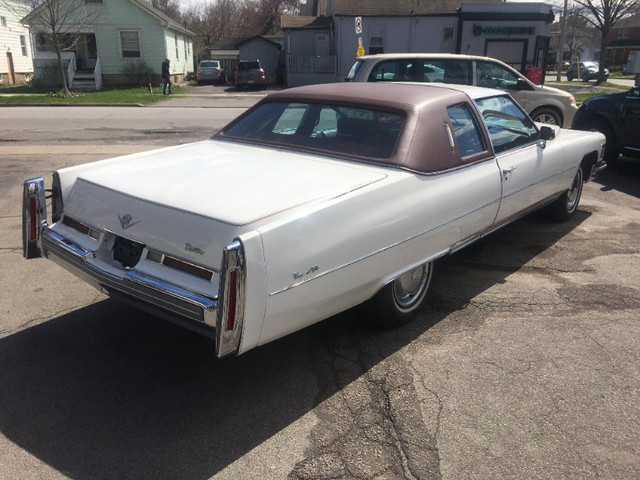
587, 163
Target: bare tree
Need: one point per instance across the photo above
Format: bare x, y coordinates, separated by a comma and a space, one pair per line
603, 15
56, 24
171, 8
212, 22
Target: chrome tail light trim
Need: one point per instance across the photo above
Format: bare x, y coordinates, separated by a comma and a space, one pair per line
228, 340
34, 215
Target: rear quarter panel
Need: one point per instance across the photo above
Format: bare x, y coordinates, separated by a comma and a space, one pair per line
334, 257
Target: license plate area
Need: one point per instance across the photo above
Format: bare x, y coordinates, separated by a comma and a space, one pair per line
127, 252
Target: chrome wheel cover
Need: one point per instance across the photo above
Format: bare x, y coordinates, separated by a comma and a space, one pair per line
573, 194
410, 288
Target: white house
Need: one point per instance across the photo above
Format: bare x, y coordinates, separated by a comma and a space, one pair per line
15, 43
118, 42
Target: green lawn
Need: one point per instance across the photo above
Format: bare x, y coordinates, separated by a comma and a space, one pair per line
24, 94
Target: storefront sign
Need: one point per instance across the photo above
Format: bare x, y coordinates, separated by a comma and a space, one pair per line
479, 30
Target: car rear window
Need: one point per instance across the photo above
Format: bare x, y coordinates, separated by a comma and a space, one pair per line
344, 130
248, 65
209, 64
354, 71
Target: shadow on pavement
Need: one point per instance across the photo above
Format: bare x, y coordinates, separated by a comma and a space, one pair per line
624, 177
108, 392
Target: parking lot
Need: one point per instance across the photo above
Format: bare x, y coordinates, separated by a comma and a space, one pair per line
524, 363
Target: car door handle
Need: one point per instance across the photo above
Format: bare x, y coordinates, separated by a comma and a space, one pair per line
507, 171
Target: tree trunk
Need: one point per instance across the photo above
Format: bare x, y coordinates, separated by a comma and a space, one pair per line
63, 74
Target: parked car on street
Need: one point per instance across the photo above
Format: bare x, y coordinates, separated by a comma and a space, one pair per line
544, 104
211, 71
588, 71
315, 200
617, 117
250, 74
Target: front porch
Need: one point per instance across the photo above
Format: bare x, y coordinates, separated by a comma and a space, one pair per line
81, 63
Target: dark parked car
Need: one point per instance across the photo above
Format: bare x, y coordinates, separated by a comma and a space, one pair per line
588, 71
211, 71
617, 116
250, 74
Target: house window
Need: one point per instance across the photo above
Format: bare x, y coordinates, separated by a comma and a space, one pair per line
3, 21
23, 44
447, 34
376, 45
623, 33
175, 37
130, 43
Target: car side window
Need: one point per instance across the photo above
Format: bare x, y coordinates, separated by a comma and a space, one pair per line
509, 127
492, 75
399, 70
456, 71
465, 130
433, 70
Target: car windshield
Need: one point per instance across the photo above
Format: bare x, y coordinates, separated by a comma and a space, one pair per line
248, 65
345, 130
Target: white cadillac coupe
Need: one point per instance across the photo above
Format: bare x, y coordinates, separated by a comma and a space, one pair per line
315, 200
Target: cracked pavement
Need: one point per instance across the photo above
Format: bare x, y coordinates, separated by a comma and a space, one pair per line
523, 364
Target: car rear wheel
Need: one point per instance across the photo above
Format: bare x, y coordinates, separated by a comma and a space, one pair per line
567, 203
399, 302
546, 115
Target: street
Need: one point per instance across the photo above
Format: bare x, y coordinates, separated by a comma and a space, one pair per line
524, 363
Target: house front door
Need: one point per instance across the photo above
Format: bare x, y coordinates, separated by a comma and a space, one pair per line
11, 73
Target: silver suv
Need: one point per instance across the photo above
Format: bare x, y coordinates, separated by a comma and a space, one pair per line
544, 104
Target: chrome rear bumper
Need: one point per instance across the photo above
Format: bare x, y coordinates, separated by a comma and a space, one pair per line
149, 293
206, 315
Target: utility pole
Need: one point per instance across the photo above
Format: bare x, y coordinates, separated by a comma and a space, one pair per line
563, 25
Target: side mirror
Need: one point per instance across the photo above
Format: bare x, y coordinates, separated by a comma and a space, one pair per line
547, 133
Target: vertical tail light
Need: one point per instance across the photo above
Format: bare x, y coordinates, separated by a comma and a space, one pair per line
261, 71
33, 232
231, 312
219, 71
198, 71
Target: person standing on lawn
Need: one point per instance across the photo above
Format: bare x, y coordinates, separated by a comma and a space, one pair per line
166, 77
